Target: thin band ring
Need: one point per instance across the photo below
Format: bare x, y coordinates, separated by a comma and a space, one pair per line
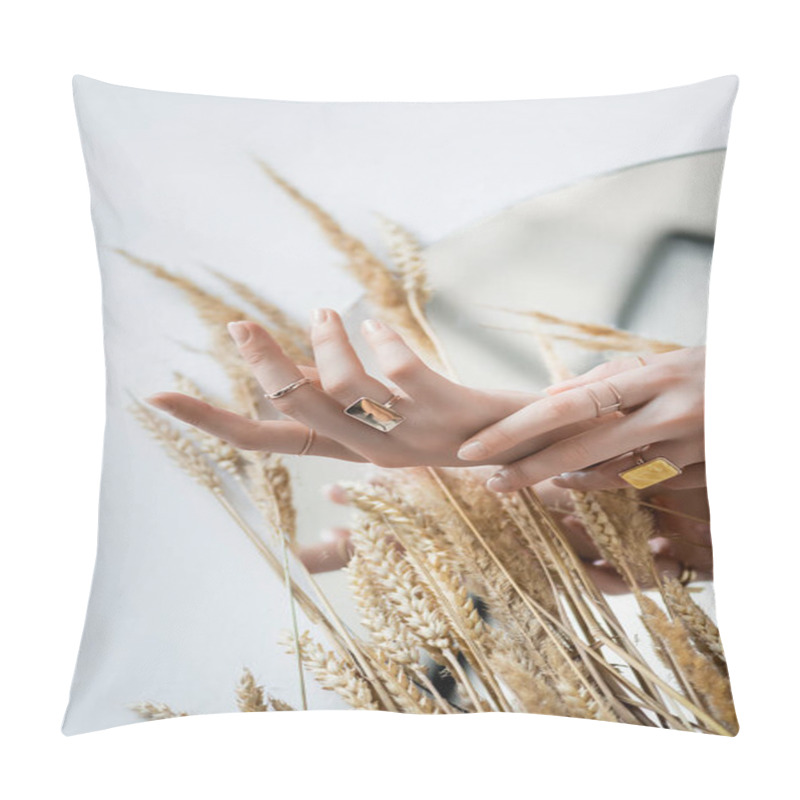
288, 388
312, 434
391, 401
600, 409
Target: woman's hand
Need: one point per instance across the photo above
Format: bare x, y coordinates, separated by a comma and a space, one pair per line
661, 409
439, 414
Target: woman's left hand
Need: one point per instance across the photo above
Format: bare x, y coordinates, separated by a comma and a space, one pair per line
655, 405
438, 413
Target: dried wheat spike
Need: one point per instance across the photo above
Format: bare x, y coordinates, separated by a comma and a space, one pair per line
700, 626
270, 486
249, 695
333, 674
183, 451
276, 704
600, 337
151, 711
711, 685
402, 687
406, 253
384, 287
621, 530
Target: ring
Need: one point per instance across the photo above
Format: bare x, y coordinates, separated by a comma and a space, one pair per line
289, 388
599, 407
377, 415
649, 473
641, 360
688, 574
312, 434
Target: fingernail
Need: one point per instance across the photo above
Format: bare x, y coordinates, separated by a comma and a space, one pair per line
320, 315
572, 476
372, 325
239, 332
499, 482
472, 451
158, 402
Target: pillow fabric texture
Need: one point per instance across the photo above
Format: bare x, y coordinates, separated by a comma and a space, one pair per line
404, 407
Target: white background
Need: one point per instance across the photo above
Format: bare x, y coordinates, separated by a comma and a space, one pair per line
53, 395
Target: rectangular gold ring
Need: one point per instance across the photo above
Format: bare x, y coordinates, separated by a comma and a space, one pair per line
650, 473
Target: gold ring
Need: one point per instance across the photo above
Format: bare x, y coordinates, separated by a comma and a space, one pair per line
289, 388
312, 434
688, 574
377, 415
649, 473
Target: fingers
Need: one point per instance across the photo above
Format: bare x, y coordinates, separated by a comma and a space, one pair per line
684, 454
599, 373
598, 444
307, 404
401, 365
272, 368
340, 370
248, 434
581, 404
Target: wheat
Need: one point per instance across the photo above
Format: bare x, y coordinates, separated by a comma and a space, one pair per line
249, 695
706, 680
278, 705
270, 488
428, 543
600, 337
406, 253
152, 711
385, 288
621, 531
181, 449
333, 673
700, 626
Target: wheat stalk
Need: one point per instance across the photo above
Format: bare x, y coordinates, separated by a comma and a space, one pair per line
428, 541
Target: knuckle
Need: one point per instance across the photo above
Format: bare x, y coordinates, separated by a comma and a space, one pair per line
671, 372
254, 356
689, 413
400, 369
386, 460
498, 440
562, 405
339, 386
241, 441
324, 336
289, 404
